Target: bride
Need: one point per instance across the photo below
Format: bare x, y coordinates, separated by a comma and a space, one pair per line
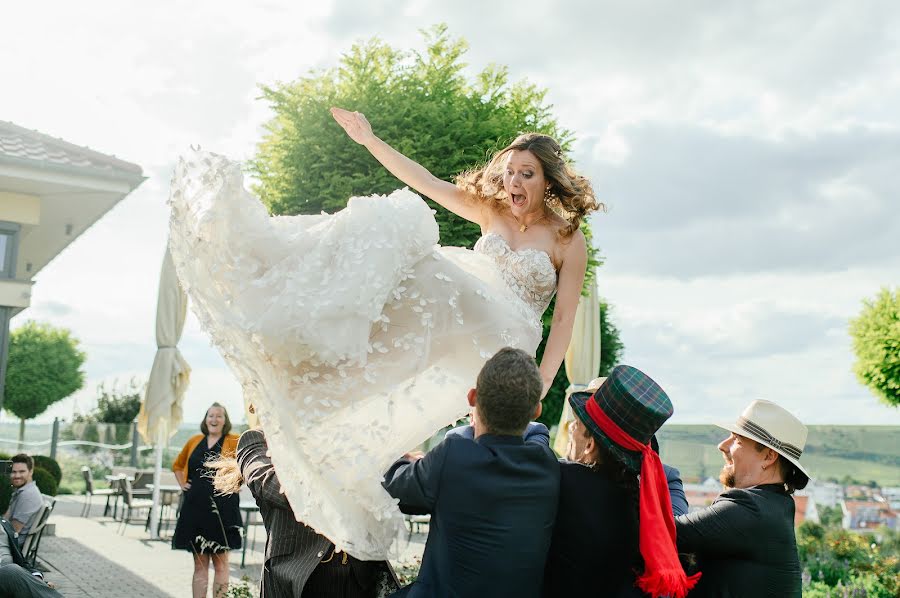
354, 334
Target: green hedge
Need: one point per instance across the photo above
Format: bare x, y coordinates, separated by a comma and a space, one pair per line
50, 465
46, 482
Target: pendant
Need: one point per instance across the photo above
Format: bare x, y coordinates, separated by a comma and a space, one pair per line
522, 228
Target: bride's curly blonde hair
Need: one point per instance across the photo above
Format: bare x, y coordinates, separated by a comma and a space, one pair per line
570, 194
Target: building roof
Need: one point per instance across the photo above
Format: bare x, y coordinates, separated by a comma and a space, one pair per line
70, 186
31, 148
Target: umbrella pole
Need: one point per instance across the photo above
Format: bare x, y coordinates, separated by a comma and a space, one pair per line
157, 472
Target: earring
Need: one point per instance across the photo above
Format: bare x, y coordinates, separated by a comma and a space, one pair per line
547, 194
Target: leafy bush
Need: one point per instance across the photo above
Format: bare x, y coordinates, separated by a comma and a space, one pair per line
6, 491
837, 562
50, 465
45, 481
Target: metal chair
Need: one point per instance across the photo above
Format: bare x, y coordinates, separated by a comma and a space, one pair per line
90, 491
415, 523
251, 516
33, 537
131, 504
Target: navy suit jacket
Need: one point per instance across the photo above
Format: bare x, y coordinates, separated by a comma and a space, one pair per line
492, 502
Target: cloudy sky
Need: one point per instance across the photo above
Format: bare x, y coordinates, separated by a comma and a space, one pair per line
748, 153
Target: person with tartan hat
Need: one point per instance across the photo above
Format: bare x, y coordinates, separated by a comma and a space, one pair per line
614, 529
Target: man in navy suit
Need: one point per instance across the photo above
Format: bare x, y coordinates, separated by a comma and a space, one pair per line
492, 499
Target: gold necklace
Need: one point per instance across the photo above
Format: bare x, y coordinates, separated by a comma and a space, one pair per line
524, 227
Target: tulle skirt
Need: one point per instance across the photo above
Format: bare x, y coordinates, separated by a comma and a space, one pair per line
354, 334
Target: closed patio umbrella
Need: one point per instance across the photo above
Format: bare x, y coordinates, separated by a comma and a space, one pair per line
582, 359
160, 413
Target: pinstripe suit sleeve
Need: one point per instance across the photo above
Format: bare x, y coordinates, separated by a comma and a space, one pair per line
258, 471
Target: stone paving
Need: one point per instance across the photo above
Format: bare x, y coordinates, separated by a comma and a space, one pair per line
87, 558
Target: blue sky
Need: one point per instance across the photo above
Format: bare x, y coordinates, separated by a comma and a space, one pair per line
748, 153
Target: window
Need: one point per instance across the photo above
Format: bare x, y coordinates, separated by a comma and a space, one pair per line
9, 233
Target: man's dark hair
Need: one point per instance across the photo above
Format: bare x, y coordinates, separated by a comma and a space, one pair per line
794, 479
509, 390
23, 458
225, 429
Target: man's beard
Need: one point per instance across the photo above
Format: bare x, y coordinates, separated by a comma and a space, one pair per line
726, 476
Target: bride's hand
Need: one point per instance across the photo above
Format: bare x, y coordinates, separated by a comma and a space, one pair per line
355, 124
547, 385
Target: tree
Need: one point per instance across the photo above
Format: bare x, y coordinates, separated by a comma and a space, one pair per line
115, 405
118, 405
423, 105
44, 367
876, 342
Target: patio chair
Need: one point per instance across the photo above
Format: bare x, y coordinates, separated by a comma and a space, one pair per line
415, 523
142, 477
33, 537
90, 491
132, 504
251, 517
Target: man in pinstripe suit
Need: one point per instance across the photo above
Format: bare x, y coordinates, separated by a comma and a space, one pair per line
298, 561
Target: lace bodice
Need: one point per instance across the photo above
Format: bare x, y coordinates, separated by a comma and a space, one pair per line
529, 272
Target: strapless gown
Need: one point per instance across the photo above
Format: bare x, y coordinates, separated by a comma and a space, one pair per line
354, 334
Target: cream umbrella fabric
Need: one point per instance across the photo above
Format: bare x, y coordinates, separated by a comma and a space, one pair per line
582, 359
161, 412
170, 374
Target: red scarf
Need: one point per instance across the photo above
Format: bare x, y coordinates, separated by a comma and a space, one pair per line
663, 574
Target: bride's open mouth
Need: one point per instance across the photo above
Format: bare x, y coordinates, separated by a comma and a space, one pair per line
518, 200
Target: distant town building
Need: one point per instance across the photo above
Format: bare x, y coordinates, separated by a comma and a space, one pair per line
805, 509
859, 492
702, 495
828, 494
868, 515
892, 496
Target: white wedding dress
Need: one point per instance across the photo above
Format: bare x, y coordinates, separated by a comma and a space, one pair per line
354, 334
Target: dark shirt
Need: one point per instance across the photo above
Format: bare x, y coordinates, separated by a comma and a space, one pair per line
595, 539
492, 502
744, 543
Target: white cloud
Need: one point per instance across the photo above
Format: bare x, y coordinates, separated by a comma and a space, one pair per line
747, 150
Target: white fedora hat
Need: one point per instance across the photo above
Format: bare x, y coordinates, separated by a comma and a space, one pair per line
594, 384
774, 427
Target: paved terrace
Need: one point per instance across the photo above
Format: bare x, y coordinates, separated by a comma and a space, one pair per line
87, 558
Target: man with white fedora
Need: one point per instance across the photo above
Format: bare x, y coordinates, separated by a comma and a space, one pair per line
745, 541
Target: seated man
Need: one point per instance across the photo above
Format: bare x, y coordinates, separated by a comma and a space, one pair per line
614, 529
26, 499
16, 578
744, 541
493, 499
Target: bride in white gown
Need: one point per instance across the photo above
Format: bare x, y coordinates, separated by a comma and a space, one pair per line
354, 334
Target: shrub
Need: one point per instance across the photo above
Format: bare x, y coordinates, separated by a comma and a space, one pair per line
45, 481
50, 465
838, 563
6, 491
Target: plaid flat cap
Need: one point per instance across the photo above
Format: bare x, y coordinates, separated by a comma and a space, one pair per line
634, 402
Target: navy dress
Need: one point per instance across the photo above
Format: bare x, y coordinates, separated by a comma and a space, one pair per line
208, 523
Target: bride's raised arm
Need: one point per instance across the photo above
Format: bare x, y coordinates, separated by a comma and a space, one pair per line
569, 285
410, 172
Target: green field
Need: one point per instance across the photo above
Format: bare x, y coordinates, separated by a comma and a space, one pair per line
864, 453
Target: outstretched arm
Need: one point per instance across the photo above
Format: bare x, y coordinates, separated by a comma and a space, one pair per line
571, 280
410, 172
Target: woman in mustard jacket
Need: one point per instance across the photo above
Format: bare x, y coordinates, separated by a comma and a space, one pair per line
208, 525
